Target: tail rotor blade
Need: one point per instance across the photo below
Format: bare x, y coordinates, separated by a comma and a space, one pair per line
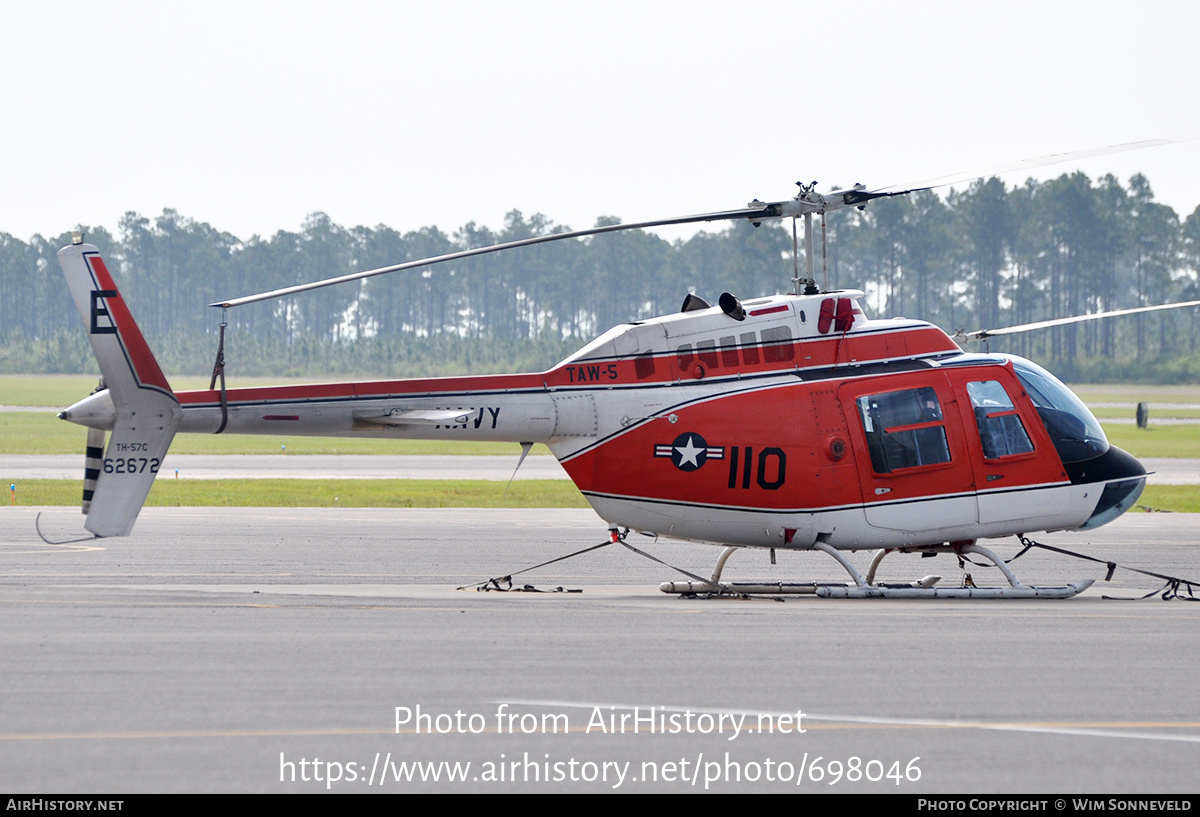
93, 458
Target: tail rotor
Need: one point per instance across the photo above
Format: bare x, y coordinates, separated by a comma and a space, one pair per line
92, 462
135, 405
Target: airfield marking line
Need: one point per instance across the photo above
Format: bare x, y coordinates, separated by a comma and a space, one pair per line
1098, 729
8, 550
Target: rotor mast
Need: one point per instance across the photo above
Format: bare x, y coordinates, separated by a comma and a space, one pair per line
808, 202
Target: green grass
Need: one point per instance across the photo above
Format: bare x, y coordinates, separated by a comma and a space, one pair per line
28, 432
1157, 441
1175, 498
1136, 393
311, 493
1157, 411
44, 389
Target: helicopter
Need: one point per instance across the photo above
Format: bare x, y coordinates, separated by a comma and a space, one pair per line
786, 422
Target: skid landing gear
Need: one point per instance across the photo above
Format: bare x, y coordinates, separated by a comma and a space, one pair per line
866, 587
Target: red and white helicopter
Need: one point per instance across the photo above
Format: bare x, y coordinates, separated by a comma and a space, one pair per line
784, 422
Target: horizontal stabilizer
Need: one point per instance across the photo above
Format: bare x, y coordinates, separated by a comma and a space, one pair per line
418, 417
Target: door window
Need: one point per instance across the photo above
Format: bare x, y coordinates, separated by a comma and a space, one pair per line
1000, 428
905, 429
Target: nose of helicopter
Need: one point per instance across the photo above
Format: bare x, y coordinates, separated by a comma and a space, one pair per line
1122, 476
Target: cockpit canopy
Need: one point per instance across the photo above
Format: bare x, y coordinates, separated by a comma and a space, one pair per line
1076, 433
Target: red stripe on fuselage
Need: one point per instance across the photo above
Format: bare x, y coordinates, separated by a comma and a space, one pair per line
380, 389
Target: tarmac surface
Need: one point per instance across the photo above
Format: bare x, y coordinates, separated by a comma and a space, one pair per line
262, 650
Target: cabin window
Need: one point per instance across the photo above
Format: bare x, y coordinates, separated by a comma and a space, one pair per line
905, 429
776, 347
1000, 428
729, 352
777, 344
643, 365
750, 348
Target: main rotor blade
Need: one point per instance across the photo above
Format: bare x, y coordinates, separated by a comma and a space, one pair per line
1028, 164
807, 202
757, 212
981, 334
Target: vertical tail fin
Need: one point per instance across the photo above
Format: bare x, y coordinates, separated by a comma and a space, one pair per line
145, 411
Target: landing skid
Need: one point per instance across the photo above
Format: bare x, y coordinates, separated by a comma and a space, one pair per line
866, 588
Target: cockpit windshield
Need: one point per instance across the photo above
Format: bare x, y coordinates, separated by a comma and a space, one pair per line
1076, 434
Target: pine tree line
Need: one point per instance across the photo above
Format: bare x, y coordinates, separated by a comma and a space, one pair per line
984, 257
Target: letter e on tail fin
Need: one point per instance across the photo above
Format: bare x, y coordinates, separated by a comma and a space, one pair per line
147, 413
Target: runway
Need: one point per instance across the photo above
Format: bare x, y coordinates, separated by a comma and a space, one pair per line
224, 649
303, 466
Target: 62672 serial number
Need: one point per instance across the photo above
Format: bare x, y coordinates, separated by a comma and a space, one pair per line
130, 465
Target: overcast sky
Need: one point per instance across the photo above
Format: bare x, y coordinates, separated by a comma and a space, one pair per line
251, 115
